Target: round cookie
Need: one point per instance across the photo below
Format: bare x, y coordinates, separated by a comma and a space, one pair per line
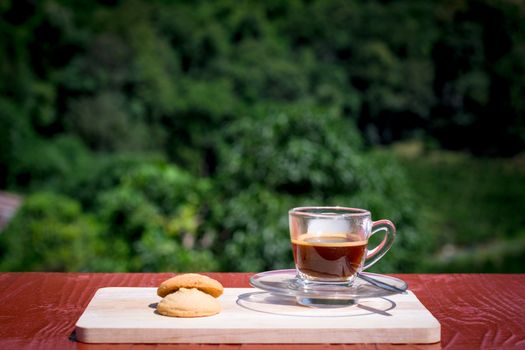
188, 303
190, 280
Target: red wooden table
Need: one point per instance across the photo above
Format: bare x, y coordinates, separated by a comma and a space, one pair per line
39, 310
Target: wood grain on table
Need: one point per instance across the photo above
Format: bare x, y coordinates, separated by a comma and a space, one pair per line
39, 310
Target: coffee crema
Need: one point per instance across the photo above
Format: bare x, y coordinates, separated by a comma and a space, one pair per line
328, 256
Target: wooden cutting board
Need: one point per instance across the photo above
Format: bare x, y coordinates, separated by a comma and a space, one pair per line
127, 315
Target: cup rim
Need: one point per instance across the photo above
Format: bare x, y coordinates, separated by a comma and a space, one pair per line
342, 212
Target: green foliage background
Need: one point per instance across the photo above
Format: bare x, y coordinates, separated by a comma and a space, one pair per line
175, 136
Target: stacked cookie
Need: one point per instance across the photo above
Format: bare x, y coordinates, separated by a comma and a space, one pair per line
189, 295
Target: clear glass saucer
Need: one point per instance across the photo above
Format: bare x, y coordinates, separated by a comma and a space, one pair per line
286, 282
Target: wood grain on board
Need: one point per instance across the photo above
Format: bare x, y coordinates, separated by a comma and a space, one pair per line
127, 315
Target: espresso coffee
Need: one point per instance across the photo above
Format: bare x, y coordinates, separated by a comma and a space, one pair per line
328, 256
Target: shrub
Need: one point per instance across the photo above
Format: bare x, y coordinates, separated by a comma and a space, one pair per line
284, 157
155, 211
50, 233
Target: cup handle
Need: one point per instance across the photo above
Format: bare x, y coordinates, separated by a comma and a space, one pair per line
377, 253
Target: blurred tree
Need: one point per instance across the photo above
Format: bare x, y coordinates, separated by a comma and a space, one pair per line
49, 164
104, 125
253, 230
174, 123
155, 212
303, 156
15, 133
475, 80
293, 149
386, 56
50, 233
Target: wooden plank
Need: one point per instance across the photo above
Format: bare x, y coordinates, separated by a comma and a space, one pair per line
127, 315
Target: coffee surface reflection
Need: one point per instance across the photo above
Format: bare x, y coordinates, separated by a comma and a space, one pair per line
329, 256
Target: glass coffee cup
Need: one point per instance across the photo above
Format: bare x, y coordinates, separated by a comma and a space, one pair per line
330, 244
